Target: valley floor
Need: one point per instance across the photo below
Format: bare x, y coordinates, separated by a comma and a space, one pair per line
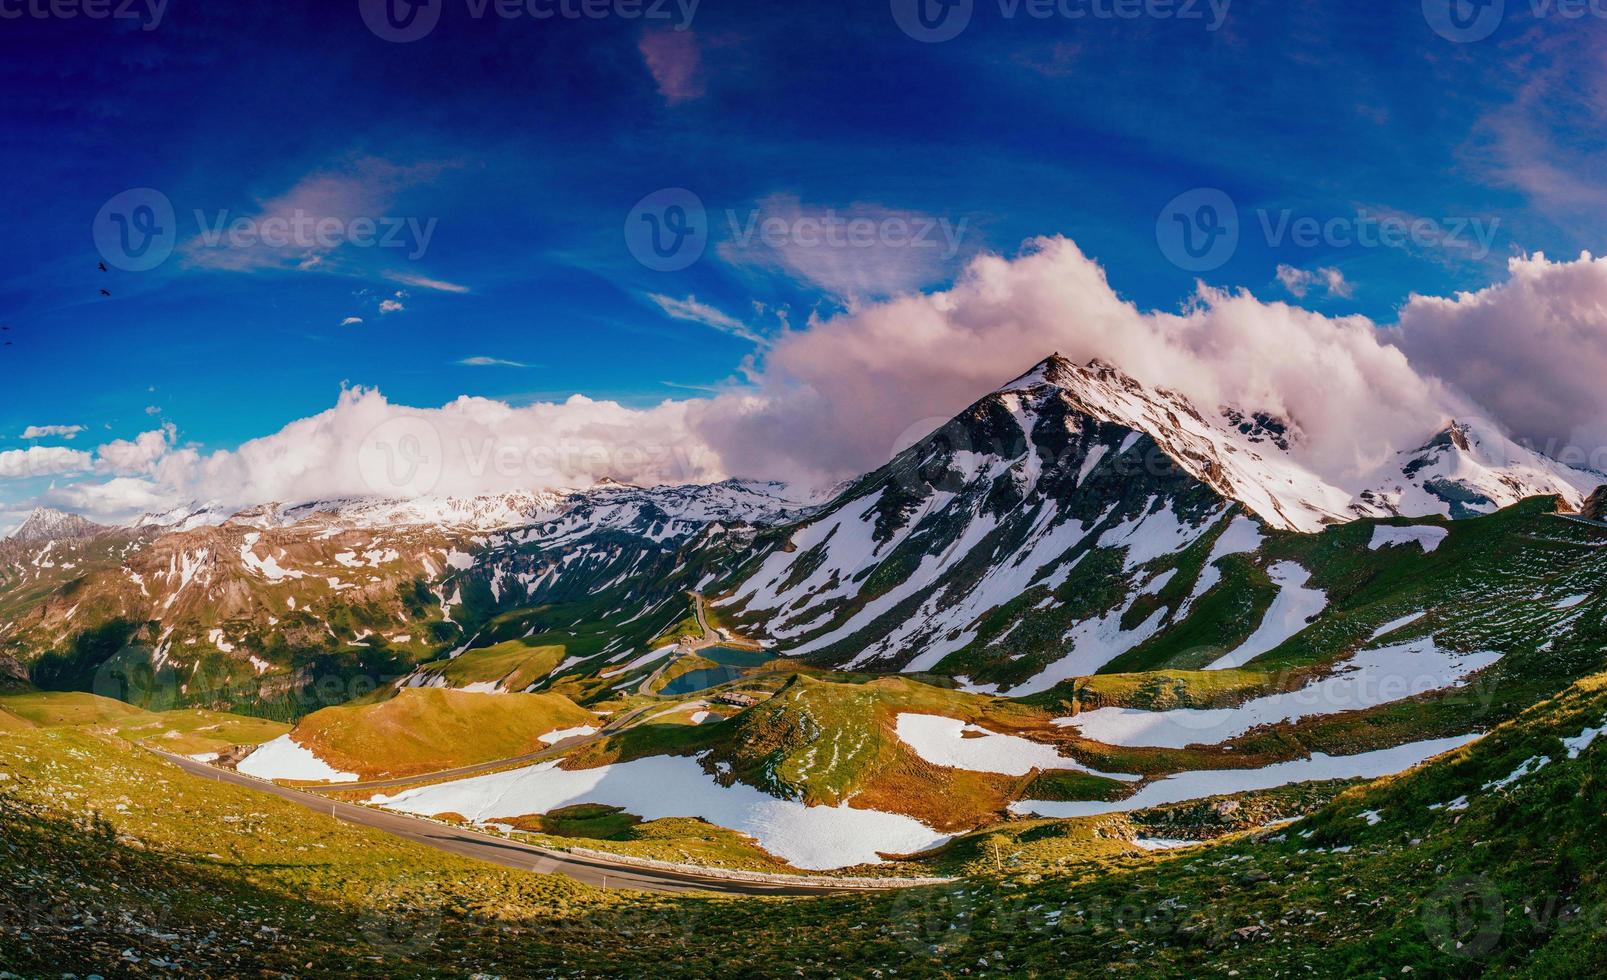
1487, 860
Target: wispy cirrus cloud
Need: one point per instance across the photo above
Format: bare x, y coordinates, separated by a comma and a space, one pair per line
693, 311
425, 282
480, 360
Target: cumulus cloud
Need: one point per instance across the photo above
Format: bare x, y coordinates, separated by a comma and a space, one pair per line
18, 464
51, 431
1532, 349
367, 446
137, 456
839, 397
118, 499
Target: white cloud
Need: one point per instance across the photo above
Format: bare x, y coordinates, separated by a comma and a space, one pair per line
367, 446
840, 397
118, 499
137, 456
1300, 281
20, 464
425, 282
1532, 349
691, 310
351, 321
857, 253
51, 431
483, 361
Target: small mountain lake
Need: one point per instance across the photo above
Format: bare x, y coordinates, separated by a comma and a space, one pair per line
732, 662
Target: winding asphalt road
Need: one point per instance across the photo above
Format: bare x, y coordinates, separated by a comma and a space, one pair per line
509, 853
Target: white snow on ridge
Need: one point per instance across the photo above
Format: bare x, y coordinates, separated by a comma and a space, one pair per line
1241, 537
1199, 784
809, 837
1396, 624
1151, 535
1289, 613
283, 758
553, 738
1370, 678
942, 741
1094, 643
1581, 742
1427, 536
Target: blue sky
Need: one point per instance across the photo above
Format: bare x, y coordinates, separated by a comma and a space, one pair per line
523, 145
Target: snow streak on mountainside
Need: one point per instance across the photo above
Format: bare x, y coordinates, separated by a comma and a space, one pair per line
1026, 509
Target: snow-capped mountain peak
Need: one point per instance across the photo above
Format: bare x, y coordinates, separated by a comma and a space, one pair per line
1253, 456
45, 525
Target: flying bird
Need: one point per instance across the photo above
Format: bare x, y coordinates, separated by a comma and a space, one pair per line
105, 292
102, 266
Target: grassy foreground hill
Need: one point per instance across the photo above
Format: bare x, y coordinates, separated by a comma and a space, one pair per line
1485, 861
425, 729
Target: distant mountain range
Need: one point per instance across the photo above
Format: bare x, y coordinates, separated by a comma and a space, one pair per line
1063, 511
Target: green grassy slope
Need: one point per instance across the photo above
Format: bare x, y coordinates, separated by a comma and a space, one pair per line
122, 865
427, 729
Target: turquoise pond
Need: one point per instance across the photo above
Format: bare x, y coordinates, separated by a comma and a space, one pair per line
731, 665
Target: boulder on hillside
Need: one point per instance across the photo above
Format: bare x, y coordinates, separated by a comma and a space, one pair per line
13, 676
1596, 504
